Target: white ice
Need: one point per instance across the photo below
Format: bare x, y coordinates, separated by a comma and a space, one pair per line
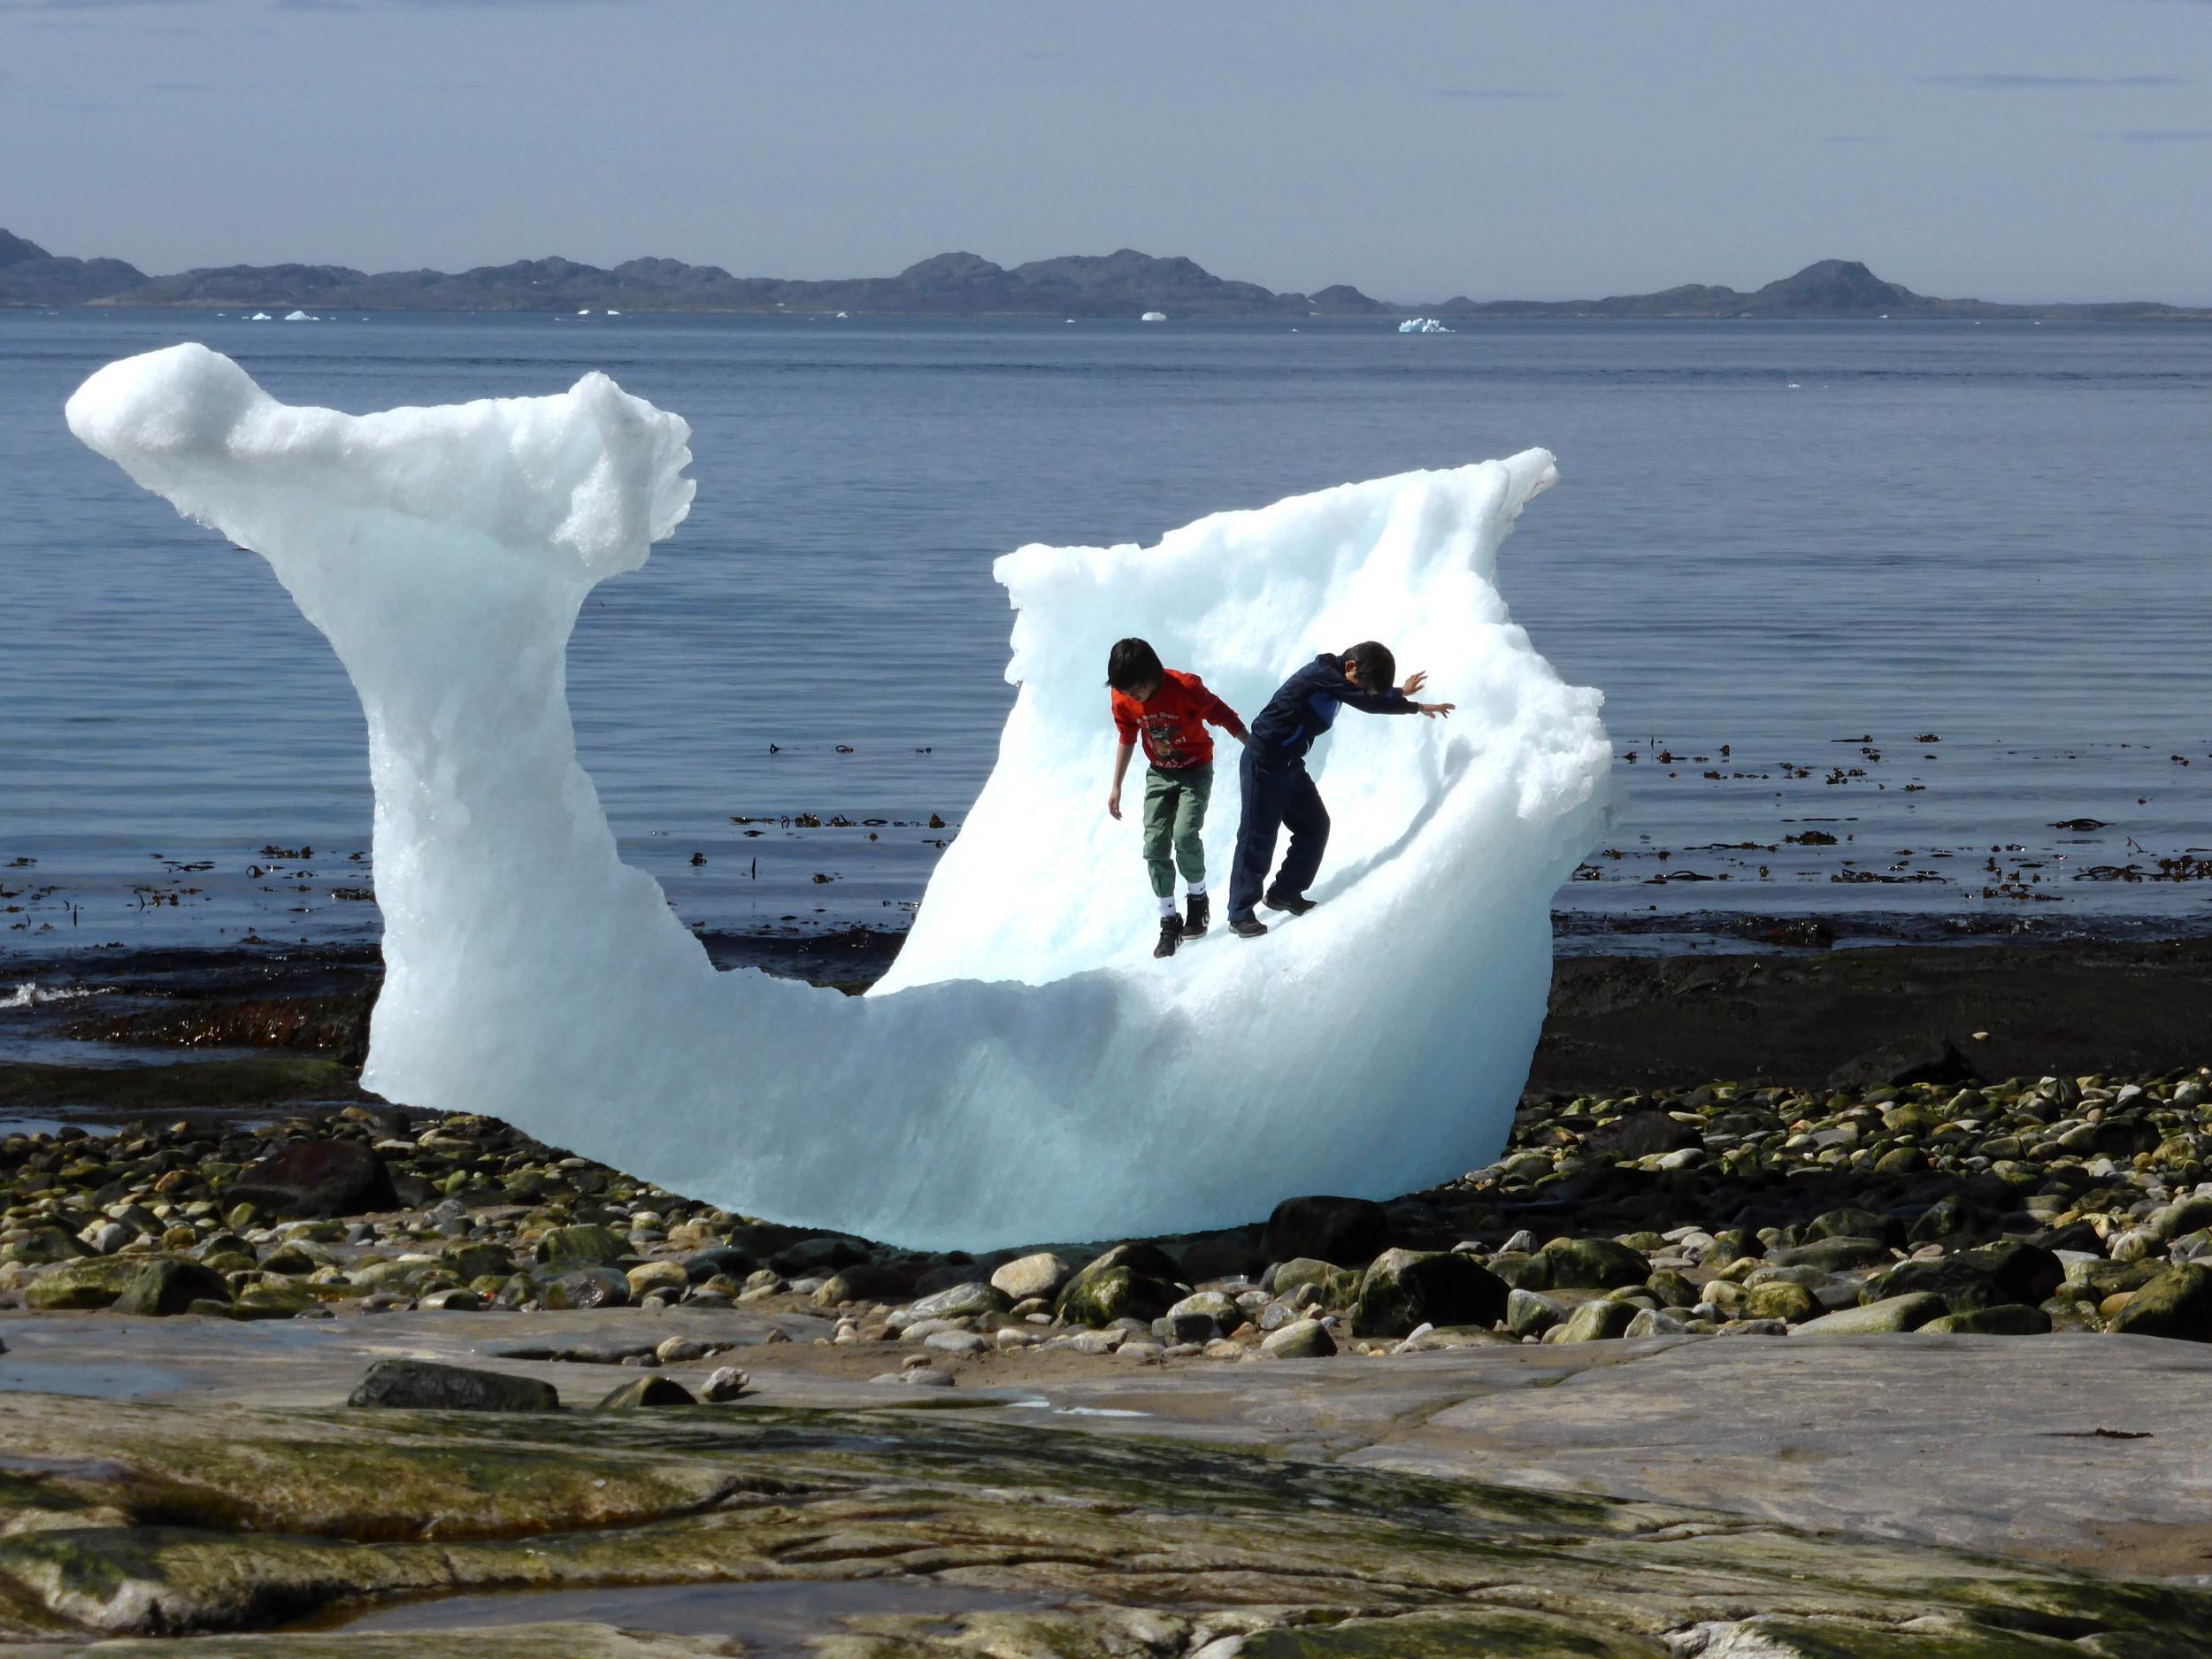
1153, 317
1028, 1071
1423, 326
260, 317
299, 316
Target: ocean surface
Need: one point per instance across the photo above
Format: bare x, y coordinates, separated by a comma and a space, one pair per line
1938, 591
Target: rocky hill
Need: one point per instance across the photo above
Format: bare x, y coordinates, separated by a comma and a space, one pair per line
1122, 284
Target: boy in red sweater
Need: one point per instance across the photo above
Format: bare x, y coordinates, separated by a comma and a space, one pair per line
1170, 711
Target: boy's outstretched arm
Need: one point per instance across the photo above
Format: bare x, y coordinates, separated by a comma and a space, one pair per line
1121, 769
1415, 680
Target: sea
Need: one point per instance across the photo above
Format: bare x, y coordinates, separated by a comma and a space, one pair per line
1905, 628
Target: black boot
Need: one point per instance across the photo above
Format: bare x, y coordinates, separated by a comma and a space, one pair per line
1246, 927
1171, 935
1194, 925
1296, 903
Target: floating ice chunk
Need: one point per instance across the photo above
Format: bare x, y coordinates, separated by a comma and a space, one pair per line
299, 316
1423, 326
840, 315
1028, 1071
612, 312
1153, 317
260, 317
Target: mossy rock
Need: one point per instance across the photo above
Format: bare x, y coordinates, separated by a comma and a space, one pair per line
1592, 1264
1339, 1286
1405, 1289
1598, 1321
95, 1281
1131, 1281
2175, 1304
2005, 1319
587, 1245
171, 1285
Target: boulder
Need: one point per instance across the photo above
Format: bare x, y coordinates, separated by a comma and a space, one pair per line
1849, 1223
1990, 1277
648, 1391
415, 1385
2186, 1215
1835, 1254
93, 1281
1305, 1339
1337, 1287
966, 1300
1348, 1232
316, 1179
2176, 1303
648, 1277
585, 1288
2005, 1319
1199, 1319
1778, 1299
1131, 1281
1591, 1264
1908, 1312
1405, 1288
1042, 1274
171, 1285
589, 1245
1529, 1314
1595, 1321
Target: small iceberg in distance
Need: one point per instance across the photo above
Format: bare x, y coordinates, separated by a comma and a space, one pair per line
261, 316
1422, 326
292, 317
585, 312
612, 312
1153, 317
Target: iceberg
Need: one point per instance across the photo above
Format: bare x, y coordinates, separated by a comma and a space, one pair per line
1423, 326
1028, 1071
1153, 317
260, 317
299, 316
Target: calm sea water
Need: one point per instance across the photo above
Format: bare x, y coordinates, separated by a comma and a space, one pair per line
1816, 545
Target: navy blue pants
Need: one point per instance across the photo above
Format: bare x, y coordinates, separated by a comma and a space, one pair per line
1275, 798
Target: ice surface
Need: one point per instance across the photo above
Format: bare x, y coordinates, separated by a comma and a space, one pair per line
1423, 326
301, 317
1028, 1072
1153, 317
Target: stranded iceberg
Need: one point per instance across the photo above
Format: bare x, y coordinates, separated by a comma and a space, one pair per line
1028, 1071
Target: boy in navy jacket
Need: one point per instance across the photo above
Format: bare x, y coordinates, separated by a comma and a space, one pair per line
1278, 791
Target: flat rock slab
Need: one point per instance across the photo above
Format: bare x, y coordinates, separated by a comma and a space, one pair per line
2088, 1450
196, 1516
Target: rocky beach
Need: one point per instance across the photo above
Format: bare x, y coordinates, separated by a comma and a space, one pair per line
1883, 1347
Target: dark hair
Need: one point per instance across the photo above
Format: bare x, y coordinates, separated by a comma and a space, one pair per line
1377, 668
1131, 664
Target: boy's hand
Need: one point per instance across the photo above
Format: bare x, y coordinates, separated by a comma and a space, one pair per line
1434, 710
1415, 681
1113, 802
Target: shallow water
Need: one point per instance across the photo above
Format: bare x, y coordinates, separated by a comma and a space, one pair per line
1776, 537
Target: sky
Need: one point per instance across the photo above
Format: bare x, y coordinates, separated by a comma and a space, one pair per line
2008, 149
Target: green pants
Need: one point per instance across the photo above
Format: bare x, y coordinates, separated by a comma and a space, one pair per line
1174, 813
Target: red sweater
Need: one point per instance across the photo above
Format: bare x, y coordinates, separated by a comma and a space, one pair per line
1173, 723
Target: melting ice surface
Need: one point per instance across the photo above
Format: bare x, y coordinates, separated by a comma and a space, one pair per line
1028, 1071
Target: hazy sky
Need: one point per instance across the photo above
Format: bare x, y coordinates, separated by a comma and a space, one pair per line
2017, 150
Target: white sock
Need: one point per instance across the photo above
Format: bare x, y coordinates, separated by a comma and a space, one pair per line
1197, 889
1167, 905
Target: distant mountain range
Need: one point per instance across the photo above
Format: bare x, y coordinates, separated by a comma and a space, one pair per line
1122, 284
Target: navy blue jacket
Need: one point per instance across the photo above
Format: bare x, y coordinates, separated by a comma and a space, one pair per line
1305, 706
